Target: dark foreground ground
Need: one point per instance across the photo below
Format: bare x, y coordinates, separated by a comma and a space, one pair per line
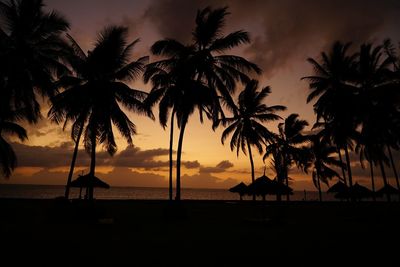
198, 233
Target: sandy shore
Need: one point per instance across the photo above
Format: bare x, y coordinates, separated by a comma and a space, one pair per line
198, 233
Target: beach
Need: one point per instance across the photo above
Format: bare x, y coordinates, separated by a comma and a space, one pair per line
197, 233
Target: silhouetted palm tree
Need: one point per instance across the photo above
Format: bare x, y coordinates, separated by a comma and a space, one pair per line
246, 126
167, 90
31, 46
331, 85
375, 103
205, 64
288, 148
393, 139
176, 90
212, 65
322, 160
94, 95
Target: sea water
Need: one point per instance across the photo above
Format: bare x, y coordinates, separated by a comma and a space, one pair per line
53, 191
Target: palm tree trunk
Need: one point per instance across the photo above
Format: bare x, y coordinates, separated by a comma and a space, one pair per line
346, 150
278, 195
252, 165
71, 169
342, 165
178, 160
171, 142
319, 186
287, 184
92, 165
384, 178
394, 169
372, 179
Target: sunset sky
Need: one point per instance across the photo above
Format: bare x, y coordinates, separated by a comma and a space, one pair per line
284, 33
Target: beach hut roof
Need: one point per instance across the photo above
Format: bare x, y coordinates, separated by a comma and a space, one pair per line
88, 180
388, 189
239, 188
265, 186
356, 191
339, 187
360, 190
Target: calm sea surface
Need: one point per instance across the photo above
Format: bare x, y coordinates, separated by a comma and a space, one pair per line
53, 191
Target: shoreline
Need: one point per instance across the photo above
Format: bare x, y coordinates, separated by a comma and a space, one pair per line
203, 233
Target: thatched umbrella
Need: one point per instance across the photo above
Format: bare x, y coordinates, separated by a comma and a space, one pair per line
86, 181
339, 187
360, 191
261, 186
387, 190
265, 186
357, 191
239, 188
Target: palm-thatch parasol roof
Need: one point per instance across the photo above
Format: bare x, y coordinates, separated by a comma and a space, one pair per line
339, 187
387, 189
88, 180
265, 186
357, 191
239, 188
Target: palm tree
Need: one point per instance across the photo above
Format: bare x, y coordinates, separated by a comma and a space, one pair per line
167, 90
219, 70
288, 147
177, 91
332, 84
393, 140
204, 64
93, 96
322, 160
376, 106
31, 47
246, 125
8, 126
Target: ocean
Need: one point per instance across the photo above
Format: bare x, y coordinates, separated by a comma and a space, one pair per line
53, 191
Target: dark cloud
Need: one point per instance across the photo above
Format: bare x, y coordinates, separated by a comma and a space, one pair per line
46, 156
121, 176
284, 30
225, 164
60, 156
191, 164
134, 157
206, 180
293, 29
173, 19
220, 167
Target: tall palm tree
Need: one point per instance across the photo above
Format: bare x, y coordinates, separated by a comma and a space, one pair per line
246, 125
93, 96
31, 47
393, 140
332, 84
205, 64
167, 90
184, 95
288, 147
376, 106
219, 70
322, 160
